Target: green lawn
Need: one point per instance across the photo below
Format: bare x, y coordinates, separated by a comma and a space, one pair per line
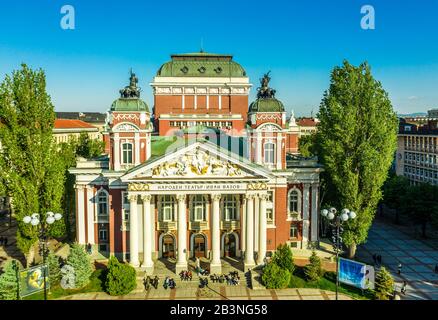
96, 285
327, 282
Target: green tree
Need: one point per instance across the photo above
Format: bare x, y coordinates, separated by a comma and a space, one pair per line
356, 143
80, 261
9, 281
274, 277
29, 161
384, 286
395, 190
313, 270
283, 258
307, 145
54, 268
121, 278
89, 148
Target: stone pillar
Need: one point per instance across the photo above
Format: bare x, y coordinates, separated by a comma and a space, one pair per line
148, 265
90, 214
80, 214
133, 231
262, 229
249, 250
181, 263
243, 226
116, 152
215, 264
314, 219
306, 222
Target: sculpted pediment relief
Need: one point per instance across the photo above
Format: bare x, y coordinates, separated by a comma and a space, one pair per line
195, 164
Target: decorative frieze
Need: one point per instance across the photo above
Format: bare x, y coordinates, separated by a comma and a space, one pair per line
138, 187
257, 186
268, 116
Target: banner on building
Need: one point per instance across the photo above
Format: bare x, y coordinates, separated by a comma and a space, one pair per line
356, 274
32, 280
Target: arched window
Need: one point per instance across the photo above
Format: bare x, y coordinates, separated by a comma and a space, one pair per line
102, 204
269, 152
230, 207
127, 153
294, 198
198, 208
167, 208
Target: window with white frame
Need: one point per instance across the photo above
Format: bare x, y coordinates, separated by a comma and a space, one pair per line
230, 207
167, 206
198, 208
293, 231
102, 204
269, 152
269, 215
127, 153
294, 201
103, 234
125, 206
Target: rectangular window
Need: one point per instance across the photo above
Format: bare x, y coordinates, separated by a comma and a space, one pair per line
127, 153
293, 231
269, 153
103, 235
269, 215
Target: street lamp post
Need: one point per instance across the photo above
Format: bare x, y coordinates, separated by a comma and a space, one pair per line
35, 221
335, 221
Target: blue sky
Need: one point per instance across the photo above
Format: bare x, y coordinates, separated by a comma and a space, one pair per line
299, 41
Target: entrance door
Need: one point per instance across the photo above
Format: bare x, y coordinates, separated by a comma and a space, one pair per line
199, 243
230, 245
168, 247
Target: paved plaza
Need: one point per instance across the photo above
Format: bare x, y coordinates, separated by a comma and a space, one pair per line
417, 257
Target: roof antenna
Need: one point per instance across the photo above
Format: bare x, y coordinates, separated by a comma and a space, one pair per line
202, 44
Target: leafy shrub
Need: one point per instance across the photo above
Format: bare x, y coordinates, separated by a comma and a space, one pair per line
54, 268
283, 258
275, 277
81, 264
68, 277
9, 281
121, 278
384, 286
313, 270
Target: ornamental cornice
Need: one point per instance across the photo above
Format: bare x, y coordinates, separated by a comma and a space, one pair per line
257, 186
146, 197
138, 187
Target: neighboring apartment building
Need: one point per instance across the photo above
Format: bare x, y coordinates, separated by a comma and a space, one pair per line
96, 119
65, 129
417, 151
307, 126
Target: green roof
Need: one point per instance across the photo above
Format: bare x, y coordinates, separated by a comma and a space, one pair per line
201, 64
266, 105
129, 104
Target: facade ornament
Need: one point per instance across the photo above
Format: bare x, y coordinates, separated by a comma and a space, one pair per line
250, 196
146, 197
264, 91
197, 163
216, 197
132, 198
263, 196
138, 187
181, 197
292, 122
257, 186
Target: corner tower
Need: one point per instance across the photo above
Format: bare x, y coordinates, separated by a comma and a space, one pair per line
268, 132
128, 137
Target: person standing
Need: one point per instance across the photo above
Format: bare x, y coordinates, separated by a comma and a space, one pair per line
403, 289
1, 240
399, 269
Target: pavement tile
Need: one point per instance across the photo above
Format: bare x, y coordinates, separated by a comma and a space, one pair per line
286, 292
289, 298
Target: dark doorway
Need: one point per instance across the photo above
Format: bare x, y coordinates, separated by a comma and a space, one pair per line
230, 245
168, 247
199, 246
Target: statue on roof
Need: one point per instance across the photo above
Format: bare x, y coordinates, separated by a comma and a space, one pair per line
131, 91
264, 91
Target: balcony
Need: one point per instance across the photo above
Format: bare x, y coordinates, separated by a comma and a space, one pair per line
198, 225
230, 225
166, 226
295, 216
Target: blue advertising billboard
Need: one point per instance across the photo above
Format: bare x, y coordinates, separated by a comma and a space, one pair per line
356, 274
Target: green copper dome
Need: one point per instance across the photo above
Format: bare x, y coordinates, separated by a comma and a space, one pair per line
201, 64
266, 105
129, 104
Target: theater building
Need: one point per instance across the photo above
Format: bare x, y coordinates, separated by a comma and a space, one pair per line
158, 194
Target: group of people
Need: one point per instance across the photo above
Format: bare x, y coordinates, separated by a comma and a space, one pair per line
231, 278
169, 283
148, 282
185, 275
3, 241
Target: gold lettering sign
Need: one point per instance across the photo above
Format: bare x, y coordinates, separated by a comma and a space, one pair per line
257, 186
138, 187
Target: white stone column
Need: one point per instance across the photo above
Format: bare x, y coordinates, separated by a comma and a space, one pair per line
90, 215
256, 222
262, 229
215, 264
148, 146
279, 151
148, 265
80, 214
116, 152
137, 148
181, 263
243, 226
306, 222
133, 231
314, 219
249, 251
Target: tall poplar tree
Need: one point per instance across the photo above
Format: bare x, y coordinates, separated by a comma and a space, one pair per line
32, 172
356, 143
